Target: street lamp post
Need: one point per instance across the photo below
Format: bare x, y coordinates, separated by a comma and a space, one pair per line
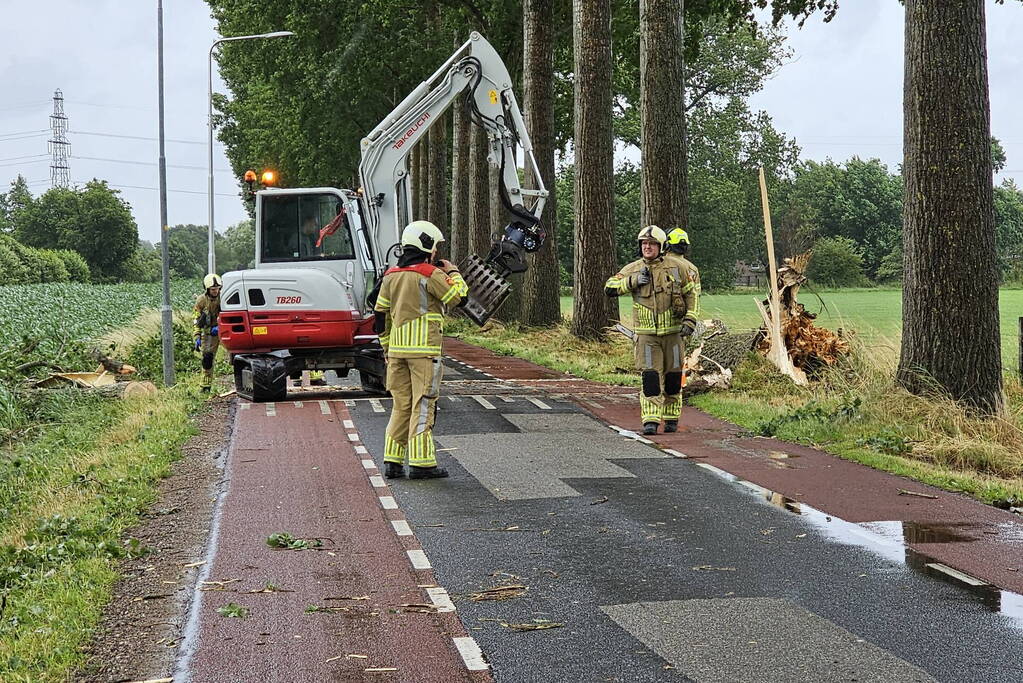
212, 260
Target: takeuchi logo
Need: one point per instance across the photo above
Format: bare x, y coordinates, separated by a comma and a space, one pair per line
411, 131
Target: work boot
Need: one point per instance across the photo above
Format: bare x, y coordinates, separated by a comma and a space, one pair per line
670, 426
393, 470
427, 473
650, 428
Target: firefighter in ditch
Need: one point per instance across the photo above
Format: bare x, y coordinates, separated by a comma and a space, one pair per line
205, 330
409, 319
663, 311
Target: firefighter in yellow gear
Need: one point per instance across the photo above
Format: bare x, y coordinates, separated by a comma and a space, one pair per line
410, 308
205, 328
664, 308
679, 246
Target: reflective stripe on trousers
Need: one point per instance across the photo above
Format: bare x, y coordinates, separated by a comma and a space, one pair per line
414, 384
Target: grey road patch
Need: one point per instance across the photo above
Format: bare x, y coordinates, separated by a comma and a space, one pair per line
519, 466
733, 640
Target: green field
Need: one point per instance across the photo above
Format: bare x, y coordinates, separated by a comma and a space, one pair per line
874, 314
60, 312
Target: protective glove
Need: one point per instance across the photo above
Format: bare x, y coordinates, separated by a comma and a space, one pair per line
643, 278
215, 330
198, 343
687, 329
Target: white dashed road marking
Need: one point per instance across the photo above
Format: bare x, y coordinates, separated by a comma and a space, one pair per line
353, 437
439, 596
388, 503
419, 559
538, 403
271, 409
377, 481
324, 408
401, 527
349, 424
484, 402
377, 408
369, 464
471, 653
361, 450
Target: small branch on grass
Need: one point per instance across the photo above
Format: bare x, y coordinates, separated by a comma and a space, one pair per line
25, 367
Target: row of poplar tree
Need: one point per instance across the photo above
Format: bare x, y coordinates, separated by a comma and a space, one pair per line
595, 68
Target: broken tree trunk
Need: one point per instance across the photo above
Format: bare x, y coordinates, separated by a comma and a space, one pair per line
777, 353
809, 348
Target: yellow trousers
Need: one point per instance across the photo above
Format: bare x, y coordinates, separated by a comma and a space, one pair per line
414, 384
660, 359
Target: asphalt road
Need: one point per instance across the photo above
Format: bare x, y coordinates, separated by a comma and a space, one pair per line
656, 568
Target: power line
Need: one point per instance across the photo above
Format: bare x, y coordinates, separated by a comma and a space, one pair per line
25, 137
25, 106
27, 156
155, 189
25, 163
141, 137
150, 163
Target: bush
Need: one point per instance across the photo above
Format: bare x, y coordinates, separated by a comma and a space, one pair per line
77, 268
51, 266
12, 271
837, 262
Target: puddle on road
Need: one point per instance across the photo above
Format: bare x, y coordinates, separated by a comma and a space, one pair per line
892, 540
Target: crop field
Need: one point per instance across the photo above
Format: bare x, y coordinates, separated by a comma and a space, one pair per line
875, 315
62, 312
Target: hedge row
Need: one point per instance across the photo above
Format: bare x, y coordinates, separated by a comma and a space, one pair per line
21, 265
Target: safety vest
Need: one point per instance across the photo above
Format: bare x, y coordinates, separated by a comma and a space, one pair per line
659, 307
414, 300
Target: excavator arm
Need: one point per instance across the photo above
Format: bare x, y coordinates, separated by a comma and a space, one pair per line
476, 74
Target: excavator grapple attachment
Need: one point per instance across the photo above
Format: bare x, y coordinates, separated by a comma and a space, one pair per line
487, 289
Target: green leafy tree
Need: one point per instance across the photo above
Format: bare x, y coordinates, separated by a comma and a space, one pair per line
1008, 201
859, 200
236, 249
836, 262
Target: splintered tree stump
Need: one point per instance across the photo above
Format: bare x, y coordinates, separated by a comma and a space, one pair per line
809, 348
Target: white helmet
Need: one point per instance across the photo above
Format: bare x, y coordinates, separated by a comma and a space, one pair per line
652, 232
212, 280
423, 235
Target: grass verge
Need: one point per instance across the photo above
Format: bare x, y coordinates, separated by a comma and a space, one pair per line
855, 411
70, 490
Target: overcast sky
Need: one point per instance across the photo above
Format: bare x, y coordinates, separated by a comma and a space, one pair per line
841, 95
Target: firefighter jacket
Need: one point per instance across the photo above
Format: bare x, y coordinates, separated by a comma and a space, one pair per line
664, 304
413, 300
205, 314
694, 276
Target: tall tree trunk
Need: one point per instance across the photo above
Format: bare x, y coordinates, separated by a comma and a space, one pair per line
950, 334
437, 180
423, 178
594, 169
460, 184
664, 197
479, 193
413, 184
541, 284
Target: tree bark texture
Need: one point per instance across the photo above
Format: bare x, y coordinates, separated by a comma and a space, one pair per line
950, 337
594, 169
664, 195
460, 184
437, 180
479, 193
541, 284
413, 169
423, 212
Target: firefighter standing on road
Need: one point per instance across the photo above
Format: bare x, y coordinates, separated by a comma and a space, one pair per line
410, 314
663, 310
204, 321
